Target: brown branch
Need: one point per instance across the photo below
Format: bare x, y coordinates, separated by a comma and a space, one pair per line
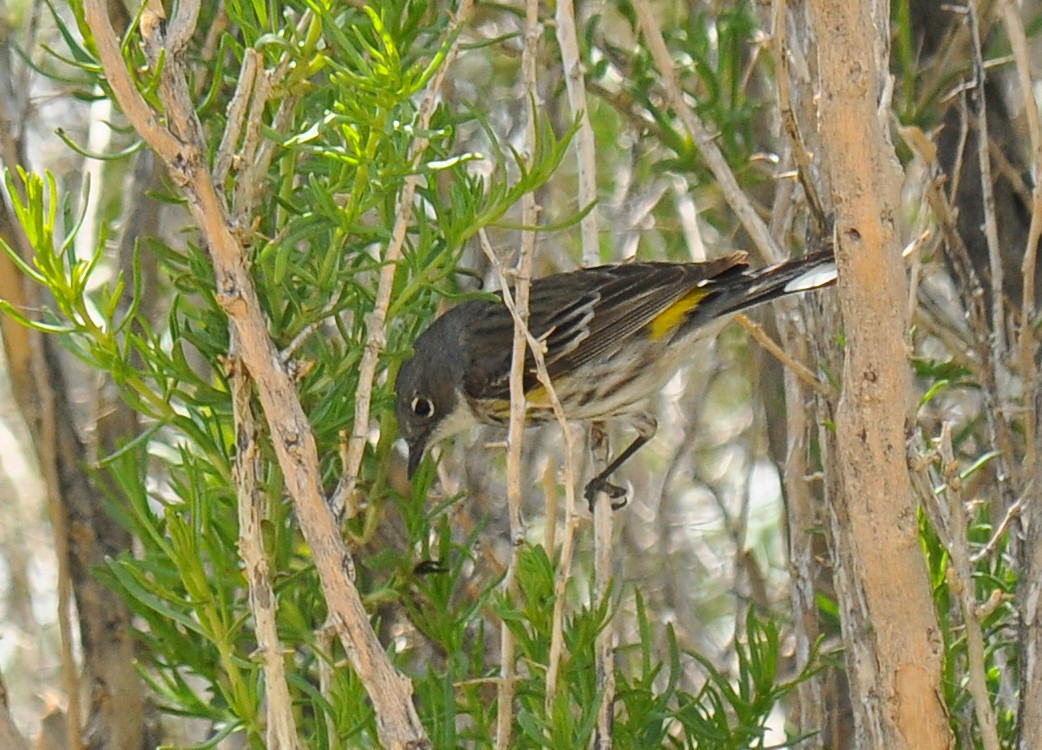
893, 651
507, 685
798, 369
604, 656
278, 705
180, 145
1026, 340
962, 584
345, 499
571, 519
802, 156
991, 230
708, 150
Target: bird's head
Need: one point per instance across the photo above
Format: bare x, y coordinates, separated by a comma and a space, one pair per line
428, 390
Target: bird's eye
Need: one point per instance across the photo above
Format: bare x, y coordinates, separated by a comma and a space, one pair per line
422, 407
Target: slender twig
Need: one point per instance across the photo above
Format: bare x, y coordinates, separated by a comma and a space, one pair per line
963, 586
1026, 340
799, 369
344, 498
991, 229
989, 370
278, 706
586, 155
802, 156
178, 139
707, 148
568, 42
1012, 514
235, 114
506, 687
536, 347
256, 152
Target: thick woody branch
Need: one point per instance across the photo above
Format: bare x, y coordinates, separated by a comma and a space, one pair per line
890, 631
278, 705
294, 442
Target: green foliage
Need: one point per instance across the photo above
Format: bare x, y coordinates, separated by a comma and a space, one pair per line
353, 79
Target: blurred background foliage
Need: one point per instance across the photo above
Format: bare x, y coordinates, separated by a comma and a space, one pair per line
703, 610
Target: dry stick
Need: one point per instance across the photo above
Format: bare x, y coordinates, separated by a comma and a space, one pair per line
953, 511
567, 40
257, 152
235, 114
999, 428
1026, 339
182, 147
586, 155
804, 159
1000, 531
278, 706
345, 497
991, 230
711, 154
507, 684
537, 347
799, 369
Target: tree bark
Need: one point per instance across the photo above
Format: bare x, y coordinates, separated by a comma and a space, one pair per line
890, 631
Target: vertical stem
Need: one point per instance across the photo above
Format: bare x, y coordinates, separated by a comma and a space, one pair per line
890, 631
515, 431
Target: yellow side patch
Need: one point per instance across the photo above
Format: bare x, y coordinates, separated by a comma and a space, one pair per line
667, 321
538, 398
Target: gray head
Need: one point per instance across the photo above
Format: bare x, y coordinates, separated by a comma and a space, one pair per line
428, 390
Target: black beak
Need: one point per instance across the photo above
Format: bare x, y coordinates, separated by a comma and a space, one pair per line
416, 450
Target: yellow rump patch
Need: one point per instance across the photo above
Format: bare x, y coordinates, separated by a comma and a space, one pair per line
667, 321
538, 398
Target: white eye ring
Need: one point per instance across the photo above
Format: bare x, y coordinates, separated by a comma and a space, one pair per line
422, 407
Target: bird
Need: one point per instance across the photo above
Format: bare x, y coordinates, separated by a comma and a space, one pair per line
613, 336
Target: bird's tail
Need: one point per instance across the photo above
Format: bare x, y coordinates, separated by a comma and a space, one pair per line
760, 285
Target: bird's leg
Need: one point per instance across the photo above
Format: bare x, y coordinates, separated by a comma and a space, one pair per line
646, 427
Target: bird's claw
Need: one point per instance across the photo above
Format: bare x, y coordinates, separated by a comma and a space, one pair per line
613, 491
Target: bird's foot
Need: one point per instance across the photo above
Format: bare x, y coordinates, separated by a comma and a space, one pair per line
616, 494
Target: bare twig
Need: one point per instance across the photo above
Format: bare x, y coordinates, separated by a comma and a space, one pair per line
344, 498
235, 114
586, 158
804, 159
991, 230
708, 150
278, 706
179, 142
506, 686
999, 428
1026, 340
798, 369
571, 518
1011, 514
568, 41
256, 152
952, 526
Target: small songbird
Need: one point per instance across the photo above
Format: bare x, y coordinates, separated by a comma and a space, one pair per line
613, 336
